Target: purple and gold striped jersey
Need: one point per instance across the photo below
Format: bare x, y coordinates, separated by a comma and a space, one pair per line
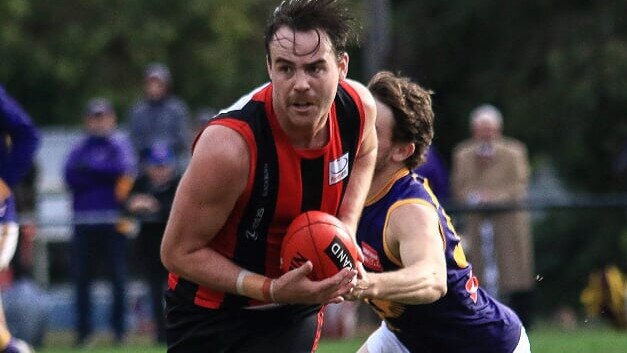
466, 319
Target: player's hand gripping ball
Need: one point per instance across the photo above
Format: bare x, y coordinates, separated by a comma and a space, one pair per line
322, 239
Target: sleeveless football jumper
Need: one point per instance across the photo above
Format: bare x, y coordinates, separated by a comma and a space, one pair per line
466, 319
282, 183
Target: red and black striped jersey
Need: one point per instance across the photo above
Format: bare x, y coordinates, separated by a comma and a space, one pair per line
282, 183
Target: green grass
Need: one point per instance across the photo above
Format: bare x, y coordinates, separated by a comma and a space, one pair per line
581, 340
337, 346
544, 339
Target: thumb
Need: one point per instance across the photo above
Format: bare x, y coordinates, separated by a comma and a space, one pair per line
361, 271
304, 270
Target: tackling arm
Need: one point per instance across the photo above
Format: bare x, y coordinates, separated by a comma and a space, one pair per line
414, 239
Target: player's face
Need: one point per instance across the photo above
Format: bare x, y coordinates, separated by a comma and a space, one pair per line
384, 125
305, 73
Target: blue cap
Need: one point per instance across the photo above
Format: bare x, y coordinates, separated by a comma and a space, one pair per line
98, 107
158, 71
160, 154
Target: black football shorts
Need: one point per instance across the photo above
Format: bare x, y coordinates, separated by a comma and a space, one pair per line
286, 328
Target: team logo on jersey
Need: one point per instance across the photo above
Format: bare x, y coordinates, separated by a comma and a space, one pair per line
338, 169
251, 233
371, 258
472, 285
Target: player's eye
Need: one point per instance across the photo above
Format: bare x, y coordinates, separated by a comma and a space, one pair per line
315, 69
286, 69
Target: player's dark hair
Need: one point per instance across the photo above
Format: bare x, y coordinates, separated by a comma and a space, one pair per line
411, 107
326, 16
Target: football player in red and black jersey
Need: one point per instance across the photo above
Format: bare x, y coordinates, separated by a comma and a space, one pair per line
304, 141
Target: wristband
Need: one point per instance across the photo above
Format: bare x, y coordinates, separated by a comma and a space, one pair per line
239, 286
253, 285
266, 290
272, 292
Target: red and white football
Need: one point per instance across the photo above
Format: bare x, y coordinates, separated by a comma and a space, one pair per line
322, 239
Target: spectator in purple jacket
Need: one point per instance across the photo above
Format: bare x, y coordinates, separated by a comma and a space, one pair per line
99, 173
19, 140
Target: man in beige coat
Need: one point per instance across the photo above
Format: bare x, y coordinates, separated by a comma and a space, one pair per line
491, 170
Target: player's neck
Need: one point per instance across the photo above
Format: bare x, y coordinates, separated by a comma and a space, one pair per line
383, 176
307, 138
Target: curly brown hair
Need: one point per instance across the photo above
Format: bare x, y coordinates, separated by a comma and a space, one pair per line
412, 110
319, 15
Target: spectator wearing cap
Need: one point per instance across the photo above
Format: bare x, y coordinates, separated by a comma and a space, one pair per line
160, 117
150, 201
99, 173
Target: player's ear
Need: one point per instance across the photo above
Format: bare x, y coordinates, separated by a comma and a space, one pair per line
342, 64
402, 151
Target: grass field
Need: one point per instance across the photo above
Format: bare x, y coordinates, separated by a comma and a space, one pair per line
596, 339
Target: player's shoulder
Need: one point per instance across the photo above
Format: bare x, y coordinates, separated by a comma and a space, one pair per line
366, 98
361, 90
220, 150
221, 143
218, 137
241, 102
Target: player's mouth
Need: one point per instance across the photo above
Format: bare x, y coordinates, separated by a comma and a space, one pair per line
302, 106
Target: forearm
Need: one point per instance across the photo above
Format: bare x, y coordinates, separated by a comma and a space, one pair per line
407, 285
358, 186
209, 268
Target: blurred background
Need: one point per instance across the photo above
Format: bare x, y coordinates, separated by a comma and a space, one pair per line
556, 69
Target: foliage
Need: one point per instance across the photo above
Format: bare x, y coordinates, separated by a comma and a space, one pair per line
57, 54
569, 245
555, 68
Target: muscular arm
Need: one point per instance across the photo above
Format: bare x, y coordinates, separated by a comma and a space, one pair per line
216, 177
414, 238
363, 167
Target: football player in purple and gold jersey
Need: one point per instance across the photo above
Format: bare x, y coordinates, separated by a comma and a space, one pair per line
418, 279
19, 140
